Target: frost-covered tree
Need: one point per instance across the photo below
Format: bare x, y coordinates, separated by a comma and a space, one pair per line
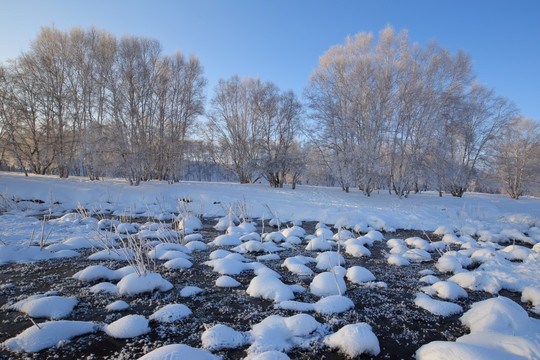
86, 103
474, 121
281, 127
395, 110
235, 128
518, 157
254, 125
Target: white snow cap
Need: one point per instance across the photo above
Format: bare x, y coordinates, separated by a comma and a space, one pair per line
171, 313
179, 351
128, 327
48, 334
354, 340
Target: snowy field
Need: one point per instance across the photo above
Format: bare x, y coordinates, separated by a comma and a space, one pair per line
210, 270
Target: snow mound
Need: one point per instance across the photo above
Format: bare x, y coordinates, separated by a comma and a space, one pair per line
195, 245
449, 290
178, 263
532, 294
477, 280
515, 252
129, 326
104, 287
294, 231
226, 240
228, 266
354, 340
359, 275
437, 307
223, 337
188, 291
498, 314
416, 255
357, 250
500, 329
334, 304
397, 260
171, 313
297, 266
179, 351
133, 284
42, 306
276, 333
190, 222
448, 264
227, 281
48, 334
20, 254
252, 246
318, 244
328, 259
98, 272
429, 279
118, 305
326, 284
268, 355
269, 287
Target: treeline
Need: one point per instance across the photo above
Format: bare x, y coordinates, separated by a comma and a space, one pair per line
385, 114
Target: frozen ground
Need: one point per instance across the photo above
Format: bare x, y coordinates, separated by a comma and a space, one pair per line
368, 283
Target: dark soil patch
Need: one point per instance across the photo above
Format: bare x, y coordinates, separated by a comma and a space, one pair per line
400, 326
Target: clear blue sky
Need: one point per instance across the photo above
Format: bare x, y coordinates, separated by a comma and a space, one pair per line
282, 40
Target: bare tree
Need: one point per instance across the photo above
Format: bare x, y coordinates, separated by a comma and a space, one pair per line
235, 126
518, 157
475, 120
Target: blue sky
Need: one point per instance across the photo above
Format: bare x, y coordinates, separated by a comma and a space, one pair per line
281, 41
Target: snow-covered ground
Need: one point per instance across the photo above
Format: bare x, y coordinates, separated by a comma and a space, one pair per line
482, 244
421, 211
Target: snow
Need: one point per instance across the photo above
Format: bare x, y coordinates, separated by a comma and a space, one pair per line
190, 291
328, 259
318, 244
48, 334
357, 250
297, 266
277, 333
354, 340
437, 307
223, 337
179, 351
397, 260
532, 294
430, 279
104, 287
477, 280
326, 284
269, 287
133, 284
178, 263
333, 304
118, 305
268, 355
499, 329
359, 275
448, 264
228, 266
171, 313
449, 290
494, 219
42, 306
98, 272
129, 326
227, 281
